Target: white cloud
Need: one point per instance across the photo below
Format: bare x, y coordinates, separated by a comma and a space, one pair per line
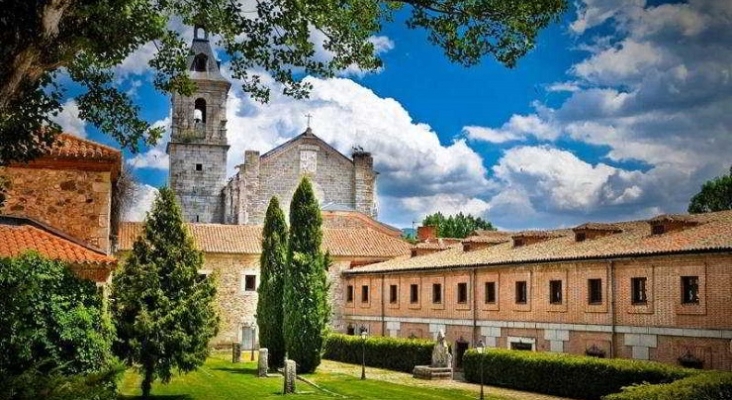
155, 157
516, 129
142, 203
69, 119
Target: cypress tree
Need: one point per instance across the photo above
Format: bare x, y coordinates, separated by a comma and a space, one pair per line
306, 288
272, 264
163, 312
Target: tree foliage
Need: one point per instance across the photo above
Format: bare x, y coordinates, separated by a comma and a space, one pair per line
87, 39
53, 326
163, 311
456, 226
306, 286
272, 262
715, 195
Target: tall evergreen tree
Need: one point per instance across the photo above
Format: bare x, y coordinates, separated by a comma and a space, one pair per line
272, 264
306, 287
164, 313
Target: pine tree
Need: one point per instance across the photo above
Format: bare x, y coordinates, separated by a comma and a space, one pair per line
306, 287
272, 264
163, 312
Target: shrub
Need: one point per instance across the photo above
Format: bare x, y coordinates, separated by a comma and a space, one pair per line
381, 352
712, 385
565, 375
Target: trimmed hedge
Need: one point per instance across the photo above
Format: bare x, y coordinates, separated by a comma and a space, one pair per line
565, 375
710, 385
381, 352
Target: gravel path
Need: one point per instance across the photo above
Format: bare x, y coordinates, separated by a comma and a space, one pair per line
406, 379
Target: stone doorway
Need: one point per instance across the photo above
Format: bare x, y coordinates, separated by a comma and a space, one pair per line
461, 346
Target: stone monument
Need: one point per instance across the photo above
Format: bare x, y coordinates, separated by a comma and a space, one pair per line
441, 366
290, 376
236, 353
262, 365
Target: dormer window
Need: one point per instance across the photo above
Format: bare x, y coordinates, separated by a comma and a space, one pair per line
200, 62
518, 242
658, 229
580, 236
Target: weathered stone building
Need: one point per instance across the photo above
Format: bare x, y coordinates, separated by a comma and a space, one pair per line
658, 290
198, 152
60, 205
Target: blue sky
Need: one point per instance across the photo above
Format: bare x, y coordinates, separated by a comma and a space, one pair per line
620, 112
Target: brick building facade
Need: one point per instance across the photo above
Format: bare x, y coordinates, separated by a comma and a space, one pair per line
654, 290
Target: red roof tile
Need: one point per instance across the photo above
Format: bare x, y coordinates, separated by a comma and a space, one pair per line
18, 238
70, 146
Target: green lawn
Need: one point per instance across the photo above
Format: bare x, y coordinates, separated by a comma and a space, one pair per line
219, 379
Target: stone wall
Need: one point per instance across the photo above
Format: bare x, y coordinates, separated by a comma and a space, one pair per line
198, 175
77, 203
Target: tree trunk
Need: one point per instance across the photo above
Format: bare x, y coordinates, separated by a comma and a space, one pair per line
148, 380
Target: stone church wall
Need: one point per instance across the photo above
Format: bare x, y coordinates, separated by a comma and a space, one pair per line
75, 202
197, 174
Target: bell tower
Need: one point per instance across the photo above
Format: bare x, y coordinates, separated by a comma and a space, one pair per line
198, 143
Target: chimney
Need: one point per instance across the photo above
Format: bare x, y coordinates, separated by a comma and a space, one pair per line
425, 233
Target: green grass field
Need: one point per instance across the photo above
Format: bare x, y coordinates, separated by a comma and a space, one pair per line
219, 379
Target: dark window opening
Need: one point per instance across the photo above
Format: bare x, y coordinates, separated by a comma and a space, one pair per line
462, 293
197, 219
199, 167
689, 361
595, 351
555, 292
414, 294
393, 291
250, 283
350, 330
490, 292
580, 236
518, 242
638, 291
200, 110
690, 289
658, 229
521, 346
521, 292
436, 293
349, 294
594, 291
200, 62
364, 294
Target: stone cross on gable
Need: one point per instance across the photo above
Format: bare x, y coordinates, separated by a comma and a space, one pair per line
308, 116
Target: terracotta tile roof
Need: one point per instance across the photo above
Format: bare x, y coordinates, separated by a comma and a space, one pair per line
246, 239
70, 146
490, 237
356, 219
538, 234
713, 233
438, 243
19, 235
595, 226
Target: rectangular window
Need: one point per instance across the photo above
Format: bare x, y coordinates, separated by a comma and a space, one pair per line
490, 292
349, 294
638, 288
393, 294
521, 292
414, 293
555, 292
594, 291
690, 289
462, 293
250, 283
658, 229
199, 167
364, 294
436, 293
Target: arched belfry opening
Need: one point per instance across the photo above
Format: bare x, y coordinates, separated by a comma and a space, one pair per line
199, 33
199, 112
200, 62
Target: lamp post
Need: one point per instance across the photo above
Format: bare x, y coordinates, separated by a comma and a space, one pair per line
364, 333
480, 347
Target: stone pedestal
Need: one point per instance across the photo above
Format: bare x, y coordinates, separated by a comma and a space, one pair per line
262, 366
290, 376
236, 353
432, 373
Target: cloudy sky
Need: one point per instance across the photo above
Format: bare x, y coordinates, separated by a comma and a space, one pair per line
621, 112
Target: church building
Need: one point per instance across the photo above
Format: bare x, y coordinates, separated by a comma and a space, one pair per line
198, 152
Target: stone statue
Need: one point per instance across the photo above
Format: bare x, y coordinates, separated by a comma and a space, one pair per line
441, 357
